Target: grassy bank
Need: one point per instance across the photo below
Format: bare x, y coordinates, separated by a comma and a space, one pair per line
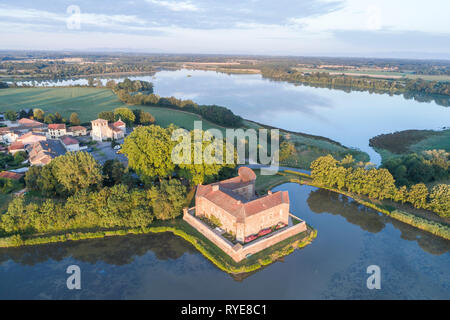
180, 228
264, 183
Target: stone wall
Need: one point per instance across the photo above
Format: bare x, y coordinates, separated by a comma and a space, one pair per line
238, 252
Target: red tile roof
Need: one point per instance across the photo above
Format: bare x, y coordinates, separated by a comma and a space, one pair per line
30, 123
17, 145
68, 140
56, 126
118, 123
222, 195
11, 175
76, 128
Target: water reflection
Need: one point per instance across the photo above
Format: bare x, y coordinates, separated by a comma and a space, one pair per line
120, 250
325, 201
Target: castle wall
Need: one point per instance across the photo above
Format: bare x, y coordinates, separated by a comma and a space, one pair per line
266, 219
208, 208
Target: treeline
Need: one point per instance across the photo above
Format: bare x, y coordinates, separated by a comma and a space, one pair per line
429, 166
110, 207
378, 184
417, 86
217, 114
80, 193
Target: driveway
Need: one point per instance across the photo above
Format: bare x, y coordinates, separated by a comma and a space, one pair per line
103, 151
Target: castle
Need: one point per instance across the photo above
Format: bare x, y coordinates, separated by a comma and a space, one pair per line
255, 222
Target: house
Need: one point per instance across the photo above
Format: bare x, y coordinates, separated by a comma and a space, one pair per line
76, 131
70, 144
11, 175
25, 122
234, 203
8, 135
42, 152
31, 137
56, 130
101, 130
16, 147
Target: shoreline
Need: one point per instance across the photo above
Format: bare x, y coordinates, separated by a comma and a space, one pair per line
219, 258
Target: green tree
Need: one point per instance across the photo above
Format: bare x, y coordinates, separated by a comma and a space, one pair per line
38, 114
58, 117
74, 120
418, 195
149, 151
11, 115
77, 171
125, 114
50, 118
146, 118
107, 115
440, 199
168, 199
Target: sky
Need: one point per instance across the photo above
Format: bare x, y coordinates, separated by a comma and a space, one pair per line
359, 28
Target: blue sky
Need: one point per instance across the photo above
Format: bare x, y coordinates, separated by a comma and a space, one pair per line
383, 28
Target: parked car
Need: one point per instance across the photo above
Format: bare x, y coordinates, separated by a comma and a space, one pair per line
117, 147
250, 238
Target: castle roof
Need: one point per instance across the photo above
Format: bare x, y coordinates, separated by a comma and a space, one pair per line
223, 195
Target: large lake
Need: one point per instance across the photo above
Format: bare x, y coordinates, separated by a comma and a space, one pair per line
414, 264
351, 118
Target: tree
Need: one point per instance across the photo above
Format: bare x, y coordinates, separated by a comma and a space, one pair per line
107, 115
149, 151
77, 171
58, 117
11, 115
50, 118
125, 114
113, 172
146, 118
38, 114
74, 120
321, 170
440, 199
418, 195
213, 152
287, 150
168, 199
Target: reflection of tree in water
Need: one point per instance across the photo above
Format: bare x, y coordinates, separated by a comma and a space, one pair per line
321, 201
119, 250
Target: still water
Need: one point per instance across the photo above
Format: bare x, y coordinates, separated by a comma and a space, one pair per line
413, 264
351, 118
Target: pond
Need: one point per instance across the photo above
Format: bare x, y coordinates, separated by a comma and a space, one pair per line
414, 264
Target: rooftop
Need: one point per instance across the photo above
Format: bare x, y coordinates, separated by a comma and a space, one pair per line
56, 126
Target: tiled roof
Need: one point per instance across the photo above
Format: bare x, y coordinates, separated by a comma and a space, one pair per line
118, 123
222, 195
30, 123
11, 175
17, 145
56, 126
68, 140
76, 128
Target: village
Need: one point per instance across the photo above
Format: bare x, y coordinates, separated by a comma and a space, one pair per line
37, 143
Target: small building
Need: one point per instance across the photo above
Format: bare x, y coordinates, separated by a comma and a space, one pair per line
56, 130
101, 130
43, 152
76, 131
11, 175
16, 147
31, 137
70, 144
25, 122
8, 135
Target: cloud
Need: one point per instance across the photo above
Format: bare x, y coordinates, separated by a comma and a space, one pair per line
176, 5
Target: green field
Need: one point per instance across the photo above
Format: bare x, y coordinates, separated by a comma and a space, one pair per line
87, 102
